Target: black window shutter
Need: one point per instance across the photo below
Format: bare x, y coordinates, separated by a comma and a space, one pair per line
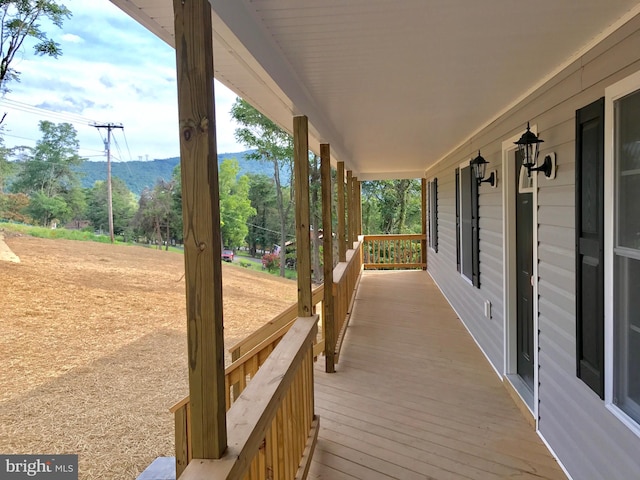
590, 245
430, 193
434, 185
475, 233
458, 218
466, 223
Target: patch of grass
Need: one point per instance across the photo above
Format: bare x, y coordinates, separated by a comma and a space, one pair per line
290, 274
55, 233
155, 247
43, 232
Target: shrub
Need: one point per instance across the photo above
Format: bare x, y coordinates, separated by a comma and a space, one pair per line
271, 261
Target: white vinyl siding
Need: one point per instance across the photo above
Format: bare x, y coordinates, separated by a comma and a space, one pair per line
590, 440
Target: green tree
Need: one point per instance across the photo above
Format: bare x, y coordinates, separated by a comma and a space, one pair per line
155, 212
7, 168
315, 211
48, 209
391, 206
124, 206
264, 224
20, 21
235, 206
14, 207
177, 224
48, 176
274, 145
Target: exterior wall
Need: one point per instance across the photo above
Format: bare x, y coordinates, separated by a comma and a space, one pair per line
467, 300
590, 441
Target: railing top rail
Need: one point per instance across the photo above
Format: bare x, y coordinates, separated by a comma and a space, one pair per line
236, 364
284, 318
341, 268
250, 416
403, 236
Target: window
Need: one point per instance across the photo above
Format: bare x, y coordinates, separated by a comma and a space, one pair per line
469, 240
626, 253
433, 214
622, 249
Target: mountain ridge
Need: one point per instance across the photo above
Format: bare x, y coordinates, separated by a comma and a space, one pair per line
141, 174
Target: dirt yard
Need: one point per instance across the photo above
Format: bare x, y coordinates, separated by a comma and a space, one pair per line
93, 348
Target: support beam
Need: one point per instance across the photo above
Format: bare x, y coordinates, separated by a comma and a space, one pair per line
350, 215
201, 213
424, 223
357, 208
342, 241
303, 240
327, 247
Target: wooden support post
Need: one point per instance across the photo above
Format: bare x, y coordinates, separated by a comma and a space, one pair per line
328, 322
342, 241
357, 224
423, 243
359, 208
303, 240
201, 213
350, 215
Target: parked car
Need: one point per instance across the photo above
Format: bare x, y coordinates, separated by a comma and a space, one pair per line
227, 255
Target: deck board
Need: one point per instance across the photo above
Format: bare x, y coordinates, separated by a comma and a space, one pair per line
414, 398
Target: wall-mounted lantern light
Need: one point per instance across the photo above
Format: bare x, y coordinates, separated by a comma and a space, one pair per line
529, 147
479, 165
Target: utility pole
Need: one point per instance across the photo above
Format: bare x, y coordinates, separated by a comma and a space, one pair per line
107, 145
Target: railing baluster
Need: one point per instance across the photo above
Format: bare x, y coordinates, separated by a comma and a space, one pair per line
393, 251
276, 431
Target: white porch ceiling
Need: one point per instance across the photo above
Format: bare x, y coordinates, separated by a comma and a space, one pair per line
392, 85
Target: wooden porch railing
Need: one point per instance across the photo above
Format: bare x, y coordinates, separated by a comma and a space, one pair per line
271, 426
345, 281
394, 251
267, 337
251, 354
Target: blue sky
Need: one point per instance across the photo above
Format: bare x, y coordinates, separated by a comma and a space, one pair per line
111, 70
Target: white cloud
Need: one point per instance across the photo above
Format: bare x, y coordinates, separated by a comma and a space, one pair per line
111, 70
71, 38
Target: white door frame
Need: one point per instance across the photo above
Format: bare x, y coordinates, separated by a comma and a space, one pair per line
509, 274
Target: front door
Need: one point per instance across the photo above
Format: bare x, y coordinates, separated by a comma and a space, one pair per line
524, 286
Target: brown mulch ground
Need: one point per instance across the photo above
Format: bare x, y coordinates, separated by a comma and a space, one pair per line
93, 348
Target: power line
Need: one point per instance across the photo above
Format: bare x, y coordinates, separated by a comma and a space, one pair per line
126, 143
34, 110
107, 144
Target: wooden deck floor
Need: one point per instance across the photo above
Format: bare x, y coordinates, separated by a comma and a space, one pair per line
414, 397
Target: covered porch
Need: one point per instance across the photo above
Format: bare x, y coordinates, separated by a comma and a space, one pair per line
383, 92
414, 397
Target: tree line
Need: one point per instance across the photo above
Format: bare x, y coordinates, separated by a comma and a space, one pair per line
41, 185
